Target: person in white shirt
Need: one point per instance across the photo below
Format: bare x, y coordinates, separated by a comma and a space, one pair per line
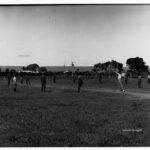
120, 82
15, 83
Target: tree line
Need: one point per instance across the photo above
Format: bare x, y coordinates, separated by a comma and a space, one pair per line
136, 65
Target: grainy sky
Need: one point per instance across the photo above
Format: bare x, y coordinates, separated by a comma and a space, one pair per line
86, 34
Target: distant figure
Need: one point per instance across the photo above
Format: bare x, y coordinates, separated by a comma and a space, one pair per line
43, 83
120, 82
148, 78
80, 83
100, 78
15, 83
28, 80
126, 79
21, 79
74, 79
139, 80
54, 78
9, 78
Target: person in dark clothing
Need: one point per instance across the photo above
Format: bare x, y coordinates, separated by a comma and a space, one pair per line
54, 78
139, 80
9, 78
100, 78
148, 78
43, 83
126, 79
28, 81
80, 83
21, 79
74, 79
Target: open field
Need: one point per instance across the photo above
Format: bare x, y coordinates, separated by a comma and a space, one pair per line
63, 117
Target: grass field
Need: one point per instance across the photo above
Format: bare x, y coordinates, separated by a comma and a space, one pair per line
63, 117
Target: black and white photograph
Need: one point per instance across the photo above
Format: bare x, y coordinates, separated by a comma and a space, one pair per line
75, 75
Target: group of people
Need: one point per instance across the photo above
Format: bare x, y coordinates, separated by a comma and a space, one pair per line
43, 81
13, 78
78, 77
126, 80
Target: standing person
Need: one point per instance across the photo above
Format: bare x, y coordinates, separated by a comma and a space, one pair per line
74, 78
126, 78
21, 79
100, 78
9, 78
119, 81
139, 80
80, 82
148, 78
43, 83
28, 80
15, 83
54, 78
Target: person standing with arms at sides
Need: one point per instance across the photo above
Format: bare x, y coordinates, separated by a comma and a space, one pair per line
126, 78
119, 81
54, 78
139, 80
148, 78
15, 83
21, 79
28, 80
9, 78
43, 83
100, 78
80, 82
74, 78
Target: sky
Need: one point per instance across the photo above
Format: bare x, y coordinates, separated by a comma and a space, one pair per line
54, 35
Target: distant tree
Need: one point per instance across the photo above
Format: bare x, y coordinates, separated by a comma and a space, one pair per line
24, 68
32, 67
98, 65
109, 65
102, 66
137, 64
43, 69
117, 65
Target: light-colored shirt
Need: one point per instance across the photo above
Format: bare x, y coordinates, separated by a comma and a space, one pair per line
14, 79
119, 75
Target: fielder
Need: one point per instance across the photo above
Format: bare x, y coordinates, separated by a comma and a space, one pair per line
120, 82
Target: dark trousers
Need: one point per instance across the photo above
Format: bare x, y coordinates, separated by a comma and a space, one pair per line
79, 87
54, 80
8, 82
27, 81
43, 87
21, 81
126, 80
100, 79
74, 80
139, 84
15, 87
